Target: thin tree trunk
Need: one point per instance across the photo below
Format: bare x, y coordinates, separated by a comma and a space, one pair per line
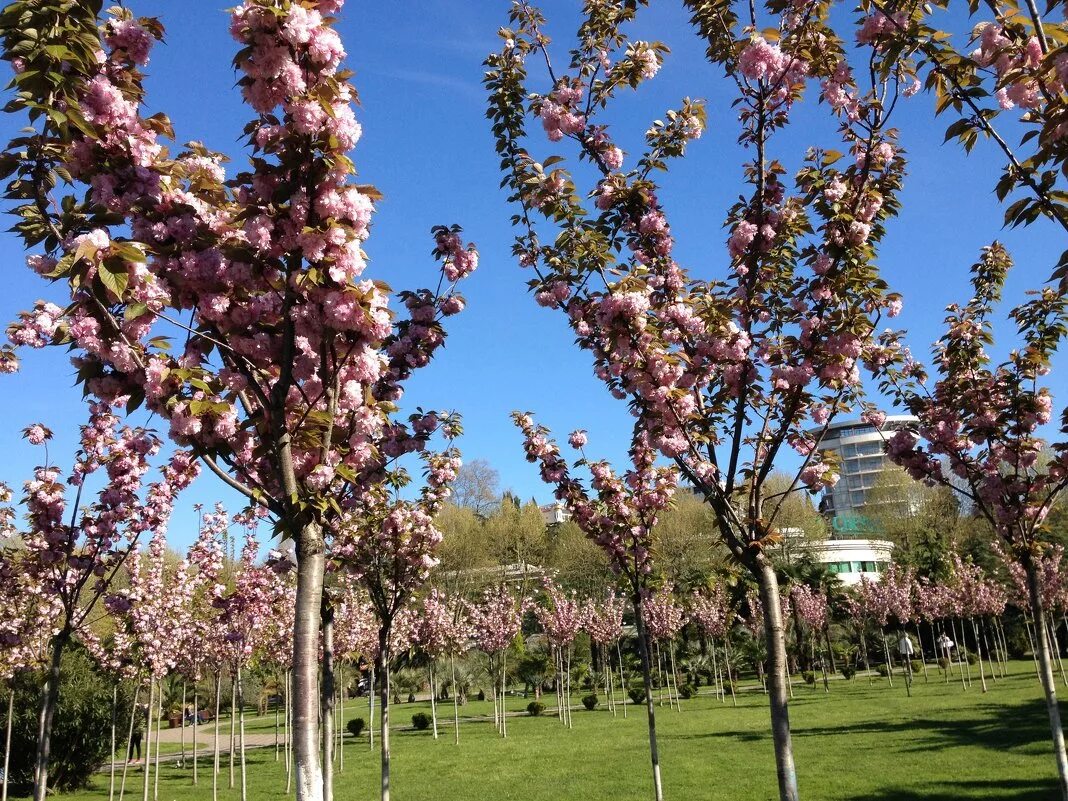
960, 655
341, 717
7, 745
48, 711
864, 651
215, 766
114, 726
888, 658
241, 719
310, 567
650, 711
288, 715
159, 721
675, 677
129, 737
567, 678
371, 708
830, 648
455, 701
196, 720
233, 729
383, 702
727, 667
979, 655
504, 690
1056, 648
1048, 684
183, 721
993, 659
148, 740
1000, 632
622, 682
1034, 648
923, 659
780, 710
277, 739
433, 701
716, 676
326, 690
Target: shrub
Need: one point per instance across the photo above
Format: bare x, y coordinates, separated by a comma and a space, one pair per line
687, 691
535, 708
637, 695
729, 687
809, 678
882, 670
917, 666
590, 701
81, 728
481, 695
943, 663
355, 726
972, 658
421, 721
848, 672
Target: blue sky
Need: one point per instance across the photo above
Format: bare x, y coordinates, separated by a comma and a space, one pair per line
427, 147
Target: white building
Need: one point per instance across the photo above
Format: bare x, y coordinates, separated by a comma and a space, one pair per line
859, 446
851, 560
553, 513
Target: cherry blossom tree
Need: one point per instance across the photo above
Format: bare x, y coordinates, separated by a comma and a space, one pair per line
26, 616
73, 550
977, 431
293, 363
495, 622
389, 544
721, 376
618, 513
604, 623
561, 620
814, 612
711, 611
664, 619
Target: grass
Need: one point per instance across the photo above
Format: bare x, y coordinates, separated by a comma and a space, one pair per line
858, 742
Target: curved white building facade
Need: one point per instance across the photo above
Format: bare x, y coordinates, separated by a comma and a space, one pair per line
852, 560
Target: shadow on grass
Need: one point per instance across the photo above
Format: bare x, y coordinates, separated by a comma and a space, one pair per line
995, 790
998, 727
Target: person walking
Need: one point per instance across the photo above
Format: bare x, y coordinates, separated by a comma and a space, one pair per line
136, 733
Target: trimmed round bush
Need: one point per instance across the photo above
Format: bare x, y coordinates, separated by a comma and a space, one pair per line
917, 666
421, 721
590, 701
729, 687
809, 677
882, 670
687, 691
356, 726
481, 695
848, 671
637, 695
535, 708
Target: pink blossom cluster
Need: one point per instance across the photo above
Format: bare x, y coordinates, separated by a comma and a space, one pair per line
441, 627
604, 621
711, 611
663, 616
218, 253
620, 516
562, 617
811, 606
559, 111
495, 620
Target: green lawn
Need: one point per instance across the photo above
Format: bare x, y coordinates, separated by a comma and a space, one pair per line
858, 742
